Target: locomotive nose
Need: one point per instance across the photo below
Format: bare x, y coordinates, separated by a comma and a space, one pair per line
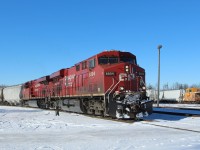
132, 106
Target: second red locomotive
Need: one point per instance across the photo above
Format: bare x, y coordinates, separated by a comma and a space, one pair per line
109, 84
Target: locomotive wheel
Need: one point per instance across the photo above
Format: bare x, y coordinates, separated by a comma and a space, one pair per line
41, 104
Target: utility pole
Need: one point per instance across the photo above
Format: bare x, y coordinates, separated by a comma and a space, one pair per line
159, 47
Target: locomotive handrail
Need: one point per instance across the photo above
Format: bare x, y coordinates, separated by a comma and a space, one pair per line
110, 86
106, 93
142, 80
112, 90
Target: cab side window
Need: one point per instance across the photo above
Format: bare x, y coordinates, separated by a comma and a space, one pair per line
91, 63
77, 67
84, 65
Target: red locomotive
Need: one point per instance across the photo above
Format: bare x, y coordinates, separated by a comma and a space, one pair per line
109, 84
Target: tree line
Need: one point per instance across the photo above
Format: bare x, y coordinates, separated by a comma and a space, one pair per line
2, 85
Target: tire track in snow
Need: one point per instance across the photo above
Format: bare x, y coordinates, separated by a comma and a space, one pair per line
36, 127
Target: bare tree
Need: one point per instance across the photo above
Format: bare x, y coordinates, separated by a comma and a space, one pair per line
165, 86
185, 86
194, 85
150, 87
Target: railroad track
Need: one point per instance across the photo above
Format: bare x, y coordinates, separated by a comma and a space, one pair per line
131, 121
196, 113
143, 121
150, 122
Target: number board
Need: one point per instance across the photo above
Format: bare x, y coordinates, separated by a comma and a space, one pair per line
110, 73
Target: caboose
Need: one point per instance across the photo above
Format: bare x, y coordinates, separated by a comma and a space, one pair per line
108, 84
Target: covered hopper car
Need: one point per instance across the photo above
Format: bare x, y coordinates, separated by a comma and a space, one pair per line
1, 95
11, 95
108, 84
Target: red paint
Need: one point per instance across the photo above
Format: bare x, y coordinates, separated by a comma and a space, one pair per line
80, 80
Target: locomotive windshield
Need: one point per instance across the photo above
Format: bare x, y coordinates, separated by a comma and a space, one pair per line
127, 59
108, 60
113, 60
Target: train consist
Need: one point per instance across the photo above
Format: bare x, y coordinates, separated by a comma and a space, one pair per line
108, 84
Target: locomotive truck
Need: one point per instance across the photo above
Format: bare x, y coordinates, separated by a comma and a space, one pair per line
110, 83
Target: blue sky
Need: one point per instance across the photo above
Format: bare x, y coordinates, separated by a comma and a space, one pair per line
38, 37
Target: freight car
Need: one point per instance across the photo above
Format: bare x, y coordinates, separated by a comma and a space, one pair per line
108, 84
11, 95
167, 96
192, 95
1, 95
184, 96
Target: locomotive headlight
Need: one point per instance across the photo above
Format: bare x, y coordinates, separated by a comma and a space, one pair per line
126, 68
144, 88
121, 88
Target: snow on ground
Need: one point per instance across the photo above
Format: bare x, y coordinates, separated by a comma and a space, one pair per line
35, 129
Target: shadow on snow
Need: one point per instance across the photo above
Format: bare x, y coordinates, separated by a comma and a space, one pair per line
156, 116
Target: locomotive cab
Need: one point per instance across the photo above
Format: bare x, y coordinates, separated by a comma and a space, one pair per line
125, 91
